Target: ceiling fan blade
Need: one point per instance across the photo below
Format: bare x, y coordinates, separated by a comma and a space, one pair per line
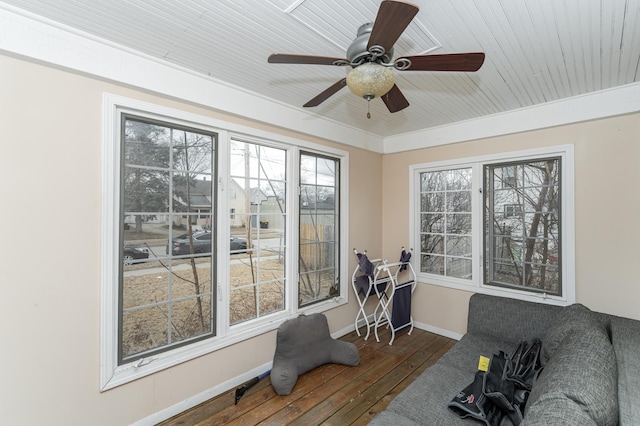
284, 58
392, 19
326, 94
463, 62
395, 100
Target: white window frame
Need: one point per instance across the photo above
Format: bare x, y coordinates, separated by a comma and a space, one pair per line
112, 374
476, 284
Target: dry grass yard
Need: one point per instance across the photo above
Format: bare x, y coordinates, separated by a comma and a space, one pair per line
169, 299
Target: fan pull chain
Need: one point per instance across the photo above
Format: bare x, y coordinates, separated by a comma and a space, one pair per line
369, 109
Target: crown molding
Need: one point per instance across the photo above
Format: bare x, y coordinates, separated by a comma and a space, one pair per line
35, 38
591, 106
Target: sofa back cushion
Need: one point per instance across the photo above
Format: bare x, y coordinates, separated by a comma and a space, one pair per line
582, 368
509, 319
574, 318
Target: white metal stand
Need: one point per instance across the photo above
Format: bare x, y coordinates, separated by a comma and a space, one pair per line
399, 316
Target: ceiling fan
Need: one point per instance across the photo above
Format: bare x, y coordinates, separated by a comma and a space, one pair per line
371, 57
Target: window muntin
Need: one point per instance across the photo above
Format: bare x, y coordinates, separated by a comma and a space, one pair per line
319, 242
446, 223
166, 290
257, 274
523, 247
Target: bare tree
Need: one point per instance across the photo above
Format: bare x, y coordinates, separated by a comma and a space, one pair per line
193, 156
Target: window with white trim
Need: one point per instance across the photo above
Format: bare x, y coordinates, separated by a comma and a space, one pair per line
180, 280
257, 275
446, 222
499, 224
522, 249
161, 167
319, 228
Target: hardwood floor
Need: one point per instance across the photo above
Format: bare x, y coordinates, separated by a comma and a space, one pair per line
331, 394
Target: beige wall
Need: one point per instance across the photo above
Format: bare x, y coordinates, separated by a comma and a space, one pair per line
607, 214
50, 186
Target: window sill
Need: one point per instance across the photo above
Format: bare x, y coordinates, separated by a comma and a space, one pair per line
457, 284
113, 377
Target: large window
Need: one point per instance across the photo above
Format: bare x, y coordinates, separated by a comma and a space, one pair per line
167, 277
446, 222
499, 224
319, 228
258, 245
212, 233
522, 225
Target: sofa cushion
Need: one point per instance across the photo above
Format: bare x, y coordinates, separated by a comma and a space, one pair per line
625, 335
425, 400
554, 408
583, 370
577, 318
465, 354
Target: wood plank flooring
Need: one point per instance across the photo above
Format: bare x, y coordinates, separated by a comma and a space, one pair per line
331, 394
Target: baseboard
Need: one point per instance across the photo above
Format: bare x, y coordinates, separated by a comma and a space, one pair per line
339, 333
422, 326
191, 402
437, 330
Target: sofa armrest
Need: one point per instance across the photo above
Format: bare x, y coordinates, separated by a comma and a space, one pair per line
509, 319
626, 341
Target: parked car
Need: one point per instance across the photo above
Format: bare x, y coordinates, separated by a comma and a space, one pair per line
236, 243
202, 243
133, 252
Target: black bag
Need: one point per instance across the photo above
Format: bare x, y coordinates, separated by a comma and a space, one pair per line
503, 389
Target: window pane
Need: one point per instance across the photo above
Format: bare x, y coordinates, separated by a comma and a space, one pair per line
144, 330
432, 264
459, 268
458, 223
432, 202
166, 280
459, 201
319, 227
432, 223
432, 244
446, 203
257, 246
459, 246
459, 179
433, 181
522, 224
145, 190
190, 318
146, 144
257, 287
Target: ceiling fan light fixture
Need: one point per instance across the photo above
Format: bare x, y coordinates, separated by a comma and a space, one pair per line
370, 80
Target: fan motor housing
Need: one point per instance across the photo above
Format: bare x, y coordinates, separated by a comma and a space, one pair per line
357, 52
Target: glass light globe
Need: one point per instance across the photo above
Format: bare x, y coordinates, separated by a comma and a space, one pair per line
370, 80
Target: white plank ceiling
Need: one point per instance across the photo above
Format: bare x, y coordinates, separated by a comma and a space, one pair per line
537, 51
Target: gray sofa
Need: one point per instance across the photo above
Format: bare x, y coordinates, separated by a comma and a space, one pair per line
591, 361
